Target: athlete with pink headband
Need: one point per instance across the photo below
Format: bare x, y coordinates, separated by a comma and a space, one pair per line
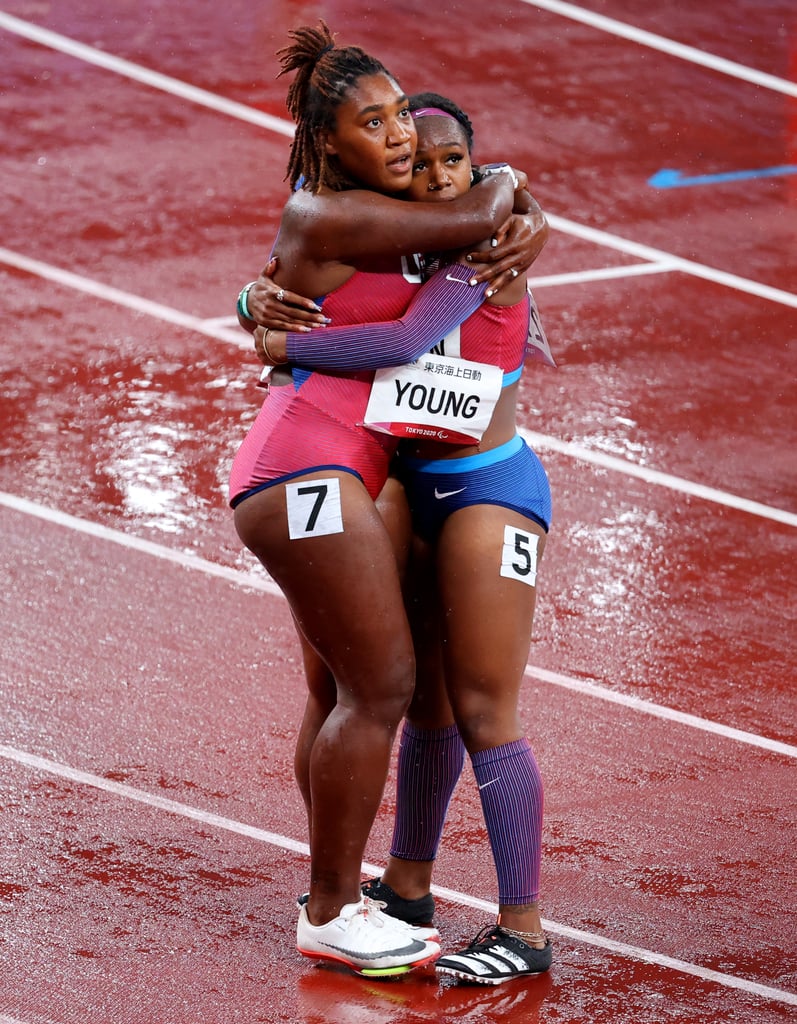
480, 512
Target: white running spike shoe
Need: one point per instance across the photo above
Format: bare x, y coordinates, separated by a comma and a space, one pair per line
426, 933
366, 940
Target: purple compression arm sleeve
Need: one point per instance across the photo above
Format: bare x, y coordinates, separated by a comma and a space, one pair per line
440, 305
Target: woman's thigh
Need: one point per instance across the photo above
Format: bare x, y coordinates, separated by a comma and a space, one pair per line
487, 559
321, 539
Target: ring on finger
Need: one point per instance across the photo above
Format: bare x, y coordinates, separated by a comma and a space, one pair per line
281, 295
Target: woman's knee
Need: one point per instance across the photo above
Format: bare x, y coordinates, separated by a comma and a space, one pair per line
380, 691
388, 697
484, 720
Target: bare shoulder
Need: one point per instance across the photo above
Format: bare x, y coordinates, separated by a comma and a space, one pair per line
303, 211
306, 246
318, 218
350, 227
330, 210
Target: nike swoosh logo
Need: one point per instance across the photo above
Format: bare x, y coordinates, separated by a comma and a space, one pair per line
413, 946
456, 280
489, 783
447, 494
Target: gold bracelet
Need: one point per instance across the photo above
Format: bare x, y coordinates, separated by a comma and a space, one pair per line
269, 356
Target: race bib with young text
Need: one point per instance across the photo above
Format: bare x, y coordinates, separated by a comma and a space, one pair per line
436, 398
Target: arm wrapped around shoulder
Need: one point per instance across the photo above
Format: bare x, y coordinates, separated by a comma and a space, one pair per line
440, 305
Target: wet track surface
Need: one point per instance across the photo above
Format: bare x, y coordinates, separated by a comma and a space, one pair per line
162, 682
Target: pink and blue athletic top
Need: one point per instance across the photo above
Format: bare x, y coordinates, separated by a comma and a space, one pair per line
491, 334
317, 423
510, 475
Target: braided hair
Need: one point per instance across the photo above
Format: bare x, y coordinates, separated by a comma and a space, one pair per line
325, 73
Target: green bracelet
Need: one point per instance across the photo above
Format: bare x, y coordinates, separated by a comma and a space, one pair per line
241, 305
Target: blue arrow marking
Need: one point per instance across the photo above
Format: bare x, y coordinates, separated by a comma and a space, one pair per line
669, 178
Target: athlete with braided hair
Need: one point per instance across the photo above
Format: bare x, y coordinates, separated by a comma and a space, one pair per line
481, 512
304, 481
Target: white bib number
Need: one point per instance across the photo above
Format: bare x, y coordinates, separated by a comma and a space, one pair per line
314, 508
519, 556
438, 398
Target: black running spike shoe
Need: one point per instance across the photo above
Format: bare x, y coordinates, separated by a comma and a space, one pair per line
420, 911
495, 956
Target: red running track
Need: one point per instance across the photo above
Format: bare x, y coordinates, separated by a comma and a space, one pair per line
150, 679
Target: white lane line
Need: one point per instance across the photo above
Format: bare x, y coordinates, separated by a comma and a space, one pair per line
673, 262
151, 800
632, 952
602, 274
665, 45
655, 476
135, 302
265, 584
139, 73
261, 582
215, 328
207, 818
647, 707
227, 327
242, 112
212, 322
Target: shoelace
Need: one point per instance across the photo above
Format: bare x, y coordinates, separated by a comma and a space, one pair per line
496, 933
372, 909
488, 933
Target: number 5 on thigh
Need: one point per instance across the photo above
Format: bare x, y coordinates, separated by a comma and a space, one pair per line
314, 508
519, 555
